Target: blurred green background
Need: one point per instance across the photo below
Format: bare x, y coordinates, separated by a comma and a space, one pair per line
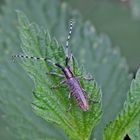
119, 19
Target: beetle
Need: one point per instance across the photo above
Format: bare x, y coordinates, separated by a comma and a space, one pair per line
71, 80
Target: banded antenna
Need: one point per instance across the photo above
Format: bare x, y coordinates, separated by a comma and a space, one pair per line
67, 42
33, 58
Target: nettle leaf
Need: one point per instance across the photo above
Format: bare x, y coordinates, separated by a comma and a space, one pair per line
52, 104
129, 118
134, 132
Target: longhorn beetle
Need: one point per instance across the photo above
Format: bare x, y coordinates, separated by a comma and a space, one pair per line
71, 80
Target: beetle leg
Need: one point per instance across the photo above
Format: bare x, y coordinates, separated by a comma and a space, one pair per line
70, 104
86, 78
58, 85
54, 73
93, 101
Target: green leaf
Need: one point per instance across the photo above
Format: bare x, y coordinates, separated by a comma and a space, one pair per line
134, 132
129, 118
52, 104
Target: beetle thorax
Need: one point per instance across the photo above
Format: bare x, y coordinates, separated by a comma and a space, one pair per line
67, 72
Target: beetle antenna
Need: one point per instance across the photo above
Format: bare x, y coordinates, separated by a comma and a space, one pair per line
67, 42
36, 58
28, 57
